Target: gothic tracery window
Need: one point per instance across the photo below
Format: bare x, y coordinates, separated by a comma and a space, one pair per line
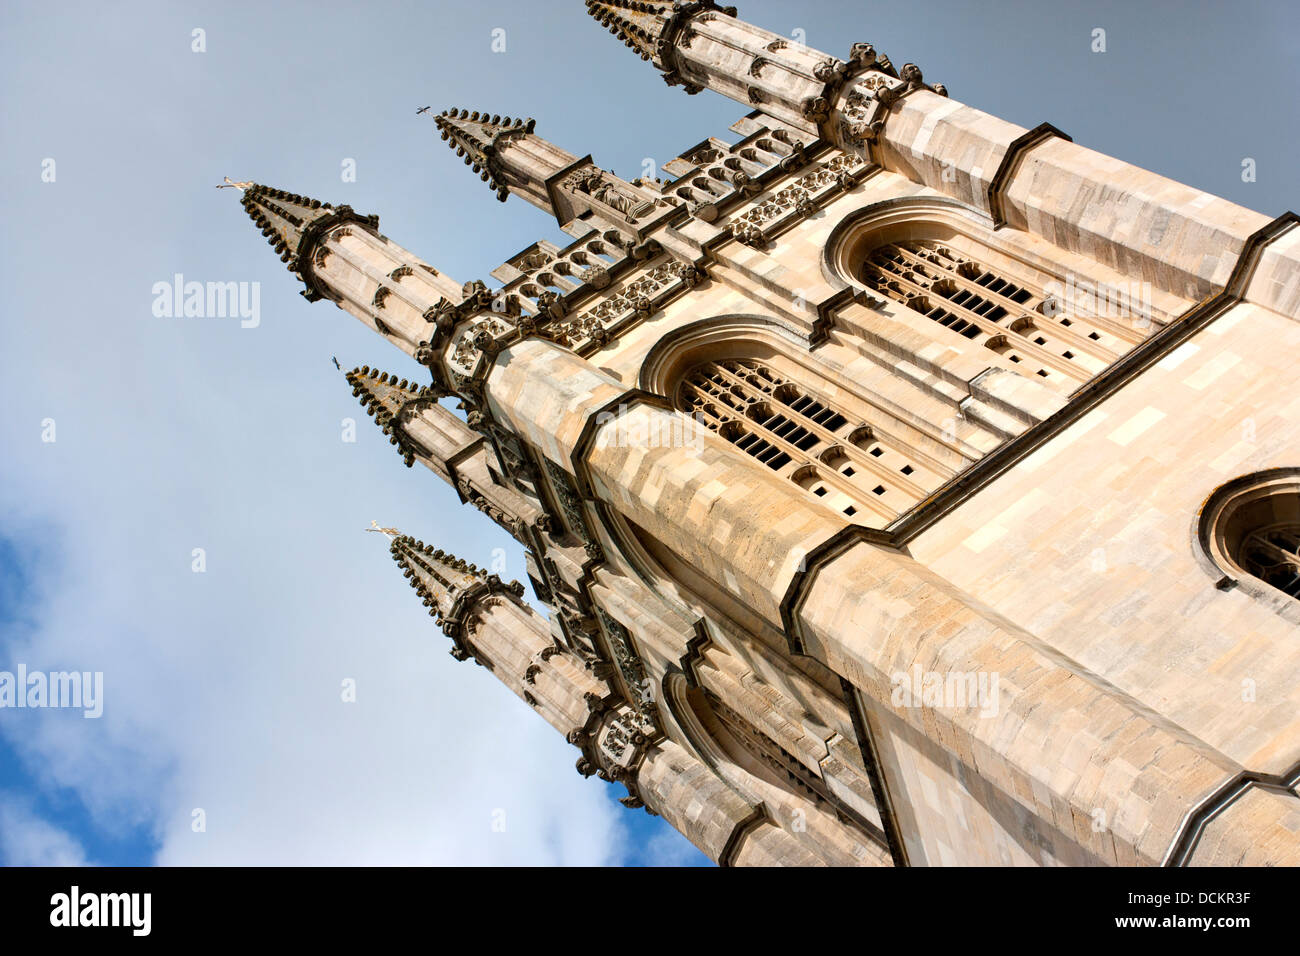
1012, 315
863, 468
1273, 556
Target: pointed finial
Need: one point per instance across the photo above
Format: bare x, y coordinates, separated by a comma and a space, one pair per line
638, 23
477, 138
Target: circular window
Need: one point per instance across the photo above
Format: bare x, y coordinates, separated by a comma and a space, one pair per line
1250, 530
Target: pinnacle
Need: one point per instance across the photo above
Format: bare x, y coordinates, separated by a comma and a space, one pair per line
475, 137
293, 224
438, 576
283, 217
384, 397
639, 24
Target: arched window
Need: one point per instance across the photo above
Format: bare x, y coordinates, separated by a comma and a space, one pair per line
868, 473
1250, 530
1012, 315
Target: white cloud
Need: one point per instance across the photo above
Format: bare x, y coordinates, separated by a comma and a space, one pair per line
222, 689
222, 692
28, 840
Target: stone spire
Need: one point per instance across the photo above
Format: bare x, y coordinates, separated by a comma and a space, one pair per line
640, 25
700, 45
511, 158
294, 224
423, 430
449, 587
340, 256
504, 152
391, 403
491, 623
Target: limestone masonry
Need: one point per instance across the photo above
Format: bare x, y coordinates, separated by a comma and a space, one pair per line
904, 487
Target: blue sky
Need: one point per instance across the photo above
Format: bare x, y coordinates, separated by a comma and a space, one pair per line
222, 688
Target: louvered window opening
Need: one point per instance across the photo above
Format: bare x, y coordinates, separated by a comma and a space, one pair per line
857, 467
1012, 316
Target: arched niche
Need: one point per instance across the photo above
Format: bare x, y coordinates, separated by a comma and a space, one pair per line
766, 776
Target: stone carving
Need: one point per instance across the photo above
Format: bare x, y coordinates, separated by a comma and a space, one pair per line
830, 70
816, 109
797, 197
594, 183
704, 155
468, 346
749, 233
862, 55
632, 671
635, 297
674, 78
550, 306
615, 742
744, 183
689, 274
510, 522
568, 498
596, 276
535, 260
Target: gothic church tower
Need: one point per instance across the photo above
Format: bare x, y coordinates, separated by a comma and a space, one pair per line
904, 487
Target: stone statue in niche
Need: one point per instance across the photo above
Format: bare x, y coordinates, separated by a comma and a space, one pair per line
594, 184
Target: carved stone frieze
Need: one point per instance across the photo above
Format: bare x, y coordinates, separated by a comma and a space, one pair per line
803, 197
633, 672
638, 298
